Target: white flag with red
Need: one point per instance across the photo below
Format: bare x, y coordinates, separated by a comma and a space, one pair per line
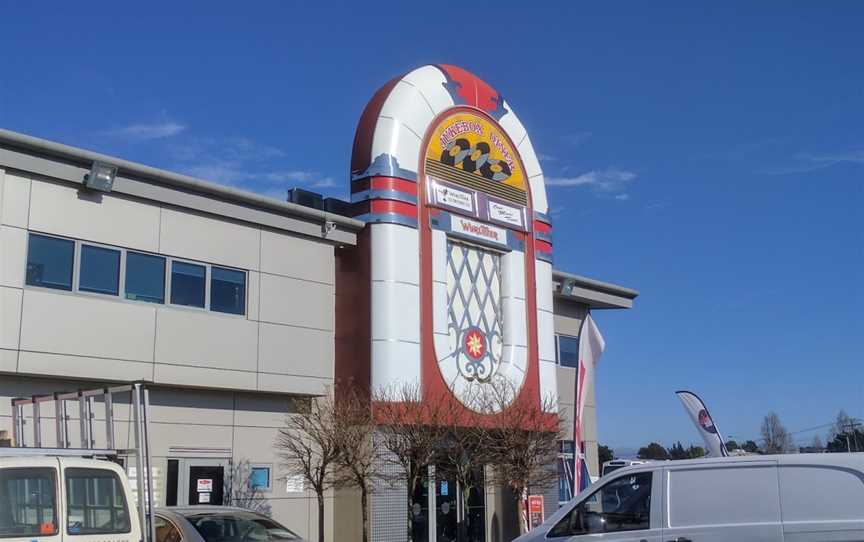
591, 346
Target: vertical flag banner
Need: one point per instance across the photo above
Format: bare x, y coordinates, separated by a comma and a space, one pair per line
591, 346
704, 423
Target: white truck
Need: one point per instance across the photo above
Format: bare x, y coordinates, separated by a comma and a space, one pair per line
77, 494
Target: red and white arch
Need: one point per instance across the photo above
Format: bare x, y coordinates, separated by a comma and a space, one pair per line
389, 189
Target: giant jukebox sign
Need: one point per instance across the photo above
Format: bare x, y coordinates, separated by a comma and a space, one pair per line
459, 239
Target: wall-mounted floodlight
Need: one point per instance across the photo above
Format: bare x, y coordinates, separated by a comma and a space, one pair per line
567, 286
101, 177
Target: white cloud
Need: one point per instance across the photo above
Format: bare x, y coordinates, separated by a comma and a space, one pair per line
807, 162
247, 164
622, 197
546, 157
607, 181
146, 132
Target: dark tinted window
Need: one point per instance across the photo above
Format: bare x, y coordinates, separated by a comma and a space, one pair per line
145, 277
49, 262
238, 527
96, 503
187, 284
100, 270
568, 351
227, 290
622, 504
27, 503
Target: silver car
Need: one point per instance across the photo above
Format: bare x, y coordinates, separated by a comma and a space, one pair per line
218, 524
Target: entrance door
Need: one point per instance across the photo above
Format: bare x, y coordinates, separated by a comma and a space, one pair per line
202, 481
455, 519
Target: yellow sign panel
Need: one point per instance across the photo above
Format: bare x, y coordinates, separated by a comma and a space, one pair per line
470, 149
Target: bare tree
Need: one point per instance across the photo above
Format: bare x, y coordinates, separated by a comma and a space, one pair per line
816, 444
411, 431
525, 442
358, 445
776, 438
308, 445
240, 491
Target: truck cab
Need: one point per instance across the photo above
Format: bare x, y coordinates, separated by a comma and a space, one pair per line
52, 498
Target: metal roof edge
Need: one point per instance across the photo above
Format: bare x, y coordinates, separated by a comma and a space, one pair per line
74, 154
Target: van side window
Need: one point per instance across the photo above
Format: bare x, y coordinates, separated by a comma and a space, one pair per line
622, 504
96, 503
28, 502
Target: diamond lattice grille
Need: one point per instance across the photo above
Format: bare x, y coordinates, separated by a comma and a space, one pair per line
474, 309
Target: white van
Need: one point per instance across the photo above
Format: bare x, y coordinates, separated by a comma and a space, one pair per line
792, 498
65, 499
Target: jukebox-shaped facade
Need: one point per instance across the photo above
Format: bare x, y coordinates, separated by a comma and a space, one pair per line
446, 177
457, 256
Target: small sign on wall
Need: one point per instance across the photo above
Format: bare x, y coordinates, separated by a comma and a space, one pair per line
204, 498
294, 484
205, 485
535, 510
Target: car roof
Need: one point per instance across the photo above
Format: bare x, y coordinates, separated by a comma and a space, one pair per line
206, 509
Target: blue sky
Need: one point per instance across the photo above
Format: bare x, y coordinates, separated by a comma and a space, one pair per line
710, 156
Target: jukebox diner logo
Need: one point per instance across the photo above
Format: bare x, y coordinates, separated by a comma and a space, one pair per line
479, 230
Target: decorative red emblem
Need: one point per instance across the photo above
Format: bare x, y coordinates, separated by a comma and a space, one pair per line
475, 344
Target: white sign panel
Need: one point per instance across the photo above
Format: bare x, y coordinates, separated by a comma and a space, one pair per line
453, 197
203, 498
505, 213
205, 485
478, 230
294, 484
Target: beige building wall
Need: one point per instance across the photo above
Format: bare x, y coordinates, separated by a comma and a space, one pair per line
220, 384
568, 321
284, 342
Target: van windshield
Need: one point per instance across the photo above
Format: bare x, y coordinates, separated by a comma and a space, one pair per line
611, 468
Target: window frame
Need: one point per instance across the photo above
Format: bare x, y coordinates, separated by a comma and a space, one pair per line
121, 269
165, 276
558, 350
269, 468
75, 289
56, 502
73, 278
68, 500
209, 296
653, 512
170, 283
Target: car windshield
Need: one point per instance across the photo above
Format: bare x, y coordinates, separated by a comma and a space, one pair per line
237, 526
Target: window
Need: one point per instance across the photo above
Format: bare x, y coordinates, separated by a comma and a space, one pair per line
77, 266
145, 277
165, 530
28, 506
259, 478
227, 290
96, 503
100, 270
623, 504
50, 262
238, 526
568, 351
188, 284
